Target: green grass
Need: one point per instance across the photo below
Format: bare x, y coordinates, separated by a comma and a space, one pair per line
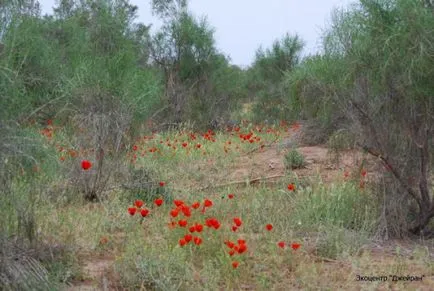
331, 221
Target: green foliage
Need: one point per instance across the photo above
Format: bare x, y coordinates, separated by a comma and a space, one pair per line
266, 75
376, 72
294, 160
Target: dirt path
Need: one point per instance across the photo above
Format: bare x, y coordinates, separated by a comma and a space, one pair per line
97, 273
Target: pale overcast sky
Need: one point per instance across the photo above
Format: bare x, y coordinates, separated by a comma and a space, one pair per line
241, 26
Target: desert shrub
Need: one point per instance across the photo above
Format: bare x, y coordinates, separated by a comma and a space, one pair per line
294, 160
372, 74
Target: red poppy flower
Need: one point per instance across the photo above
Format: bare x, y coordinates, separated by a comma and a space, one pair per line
188, 237
230, 244
172, 224
281, 244
195, 205
230, 196
241, 242
291, 187
207, 203
234, 228
235, 264
135, 148
295, 246
184, 144
158, 201
364, 173
269, 227
182, 223
242, 248
198, 145
162, 184
144, 212
178, 202
237, 221
138, 203
174, 212
199, 227
231, 253
197, 240
182, 242
86, 165
192, 228
186, 210
132, 210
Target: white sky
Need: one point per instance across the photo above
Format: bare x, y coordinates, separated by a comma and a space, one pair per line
241, 26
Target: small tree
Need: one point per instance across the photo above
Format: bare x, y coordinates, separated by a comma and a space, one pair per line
378, 70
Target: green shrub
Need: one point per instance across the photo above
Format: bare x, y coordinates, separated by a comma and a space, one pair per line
294, 160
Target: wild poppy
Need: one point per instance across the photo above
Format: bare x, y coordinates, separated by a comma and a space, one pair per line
197, 240
182, 242
230, 244
135, 148
132, 210
230, 196
138, 203
195, 205
269, 227
207, 203
234, 228
237, 221
199, 227
158, 202
364, 173
235, 264
144, 212
184, 144
174, 212
291, 187
182, 223
281, 244
178, 202
188, 237
242, 248
86, 165
185, 210
162, 184
192, 228
231, 253
295, 246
